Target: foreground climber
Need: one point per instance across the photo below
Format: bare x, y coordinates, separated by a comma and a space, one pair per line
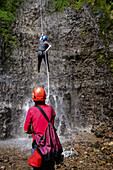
44, 46
39, 123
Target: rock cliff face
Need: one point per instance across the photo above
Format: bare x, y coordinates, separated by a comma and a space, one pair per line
80, 87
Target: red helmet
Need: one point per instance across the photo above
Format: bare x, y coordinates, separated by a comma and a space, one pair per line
39, 94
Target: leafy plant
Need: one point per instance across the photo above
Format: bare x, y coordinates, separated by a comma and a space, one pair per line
7, 39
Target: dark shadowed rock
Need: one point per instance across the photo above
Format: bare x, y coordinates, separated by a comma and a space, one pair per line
5, 116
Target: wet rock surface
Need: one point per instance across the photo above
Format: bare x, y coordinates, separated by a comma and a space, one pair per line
80, 86
84, 152
5, 116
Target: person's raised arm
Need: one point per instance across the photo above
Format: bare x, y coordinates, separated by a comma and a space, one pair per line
41, 38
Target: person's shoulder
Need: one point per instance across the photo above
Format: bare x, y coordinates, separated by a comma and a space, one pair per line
51, 107
48, 105
32, 108
46, 42
40, 41
45, 106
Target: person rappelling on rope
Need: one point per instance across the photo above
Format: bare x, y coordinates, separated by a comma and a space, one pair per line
44, 46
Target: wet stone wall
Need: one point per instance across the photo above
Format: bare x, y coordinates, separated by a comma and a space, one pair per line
80, 87
5, 116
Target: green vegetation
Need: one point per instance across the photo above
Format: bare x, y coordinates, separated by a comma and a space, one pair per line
104, 5
103, 10
8, 40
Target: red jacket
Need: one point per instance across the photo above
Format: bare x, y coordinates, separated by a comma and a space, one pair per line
36, 118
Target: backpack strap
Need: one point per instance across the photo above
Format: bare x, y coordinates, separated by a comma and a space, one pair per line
44, 114
51, 112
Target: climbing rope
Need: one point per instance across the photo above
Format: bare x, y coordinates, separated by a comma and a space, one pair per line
47, 75
40, 18
41, 33
41, 22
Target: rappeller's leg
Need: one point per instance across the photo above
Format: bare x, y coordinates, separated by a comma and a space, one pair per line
39, 60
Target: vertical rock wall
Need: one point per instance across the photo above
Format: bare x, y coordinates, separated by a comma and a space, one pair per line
80, 86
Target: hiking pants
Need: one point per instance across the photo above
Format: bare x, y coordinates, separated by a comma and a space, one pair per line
42, 54
45, 166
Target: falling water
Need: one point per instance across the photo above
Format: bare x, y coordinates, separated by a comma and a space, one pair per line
61, 118
28, 103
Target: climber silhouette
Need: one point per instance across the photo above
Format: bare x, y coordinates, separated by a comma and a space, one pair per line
44, 46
